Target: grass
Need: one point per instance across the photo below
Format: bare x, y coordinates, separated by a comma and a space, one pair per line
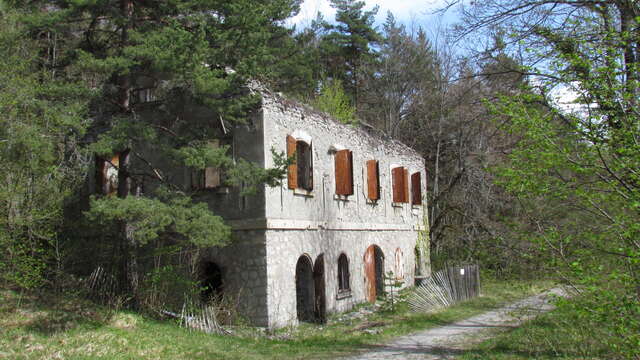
564, 333
66, 327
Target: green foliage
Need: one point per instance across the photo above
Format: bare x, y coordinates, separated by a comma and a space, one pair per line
155, 83
335, 102
41, 122
149, 217
348, 45
568, 332
249, 175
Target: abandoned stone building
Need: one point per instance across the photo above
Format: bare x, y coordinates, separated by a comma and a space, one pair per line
349, 212
346, 217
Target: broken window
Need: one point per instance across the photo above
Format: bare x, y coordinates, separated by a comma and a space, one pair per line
416, 189
210, 177
400, 184
107, 174
343, 274
344, 172
373, 180
300, 173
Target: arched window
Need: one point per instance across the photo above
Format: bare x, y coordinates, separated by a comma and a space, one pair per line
343, 274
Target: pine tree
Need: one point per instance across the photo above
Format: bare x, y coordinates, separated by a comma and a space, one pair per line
348, 45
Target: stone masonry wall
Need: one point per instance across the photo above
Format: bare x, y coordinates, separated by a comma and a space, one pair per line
284, 248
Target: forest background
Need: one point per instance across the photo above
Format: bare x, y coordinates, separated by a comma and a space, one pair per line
517, 181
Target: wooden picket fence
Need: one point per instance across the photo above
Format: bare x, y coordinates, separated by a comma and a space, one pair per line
446, 287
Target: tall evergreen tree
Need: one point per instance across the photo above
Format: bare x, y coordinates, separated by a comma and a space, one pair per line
349, 44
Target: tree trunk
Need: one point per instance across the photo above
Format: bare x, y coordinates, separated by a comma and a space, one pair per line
128, 245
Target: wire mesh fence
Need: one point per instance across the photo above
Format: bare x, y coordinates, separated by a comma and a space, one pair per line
446, 287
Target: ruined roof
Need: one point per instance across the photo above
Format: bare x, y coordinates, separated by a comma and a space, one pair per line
307, 111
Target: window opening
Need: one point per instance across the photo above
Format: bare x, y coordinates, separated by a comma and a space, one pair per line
343, 274
300, 173
416, 189
107, 174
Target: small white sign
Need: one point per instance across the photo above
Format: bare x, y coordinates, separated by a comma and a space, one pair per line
461, 271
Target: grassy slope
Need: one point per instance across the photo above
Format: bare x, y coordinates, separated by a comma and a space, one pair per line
68, 328
559, 334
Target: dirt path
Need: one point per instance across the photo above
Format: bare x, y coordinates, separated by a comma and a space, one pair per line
448, 341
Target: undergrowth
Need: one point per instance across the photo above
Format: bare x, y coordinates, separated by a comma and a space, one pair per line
35, 327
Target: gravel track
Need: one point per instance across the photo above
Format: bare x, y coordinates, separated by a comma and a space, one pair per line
446, 342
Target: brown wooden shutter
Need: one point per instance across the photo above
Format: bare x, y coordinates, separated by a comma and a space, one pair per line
344, 172
416, 189
373, 180
292, 171
397, 183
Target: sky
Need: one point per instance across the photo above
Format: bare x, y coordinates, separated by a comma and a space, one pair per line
405, 11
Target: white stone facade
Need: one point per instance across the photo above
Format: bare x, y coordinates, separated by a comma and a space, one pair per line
283, 225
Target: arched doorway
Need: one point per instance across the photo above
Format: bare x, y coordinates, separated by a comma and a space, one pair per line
373, 273
319, 286
305, 292
211, 281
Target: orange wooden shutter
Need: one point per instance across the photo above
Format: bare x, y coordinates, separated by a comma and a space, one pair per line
292, 173
344, 172
397, 180
416, 189
373, 180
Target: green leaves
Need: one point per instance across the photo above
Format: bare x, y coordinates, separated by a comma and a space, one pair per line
335, 102
149, 218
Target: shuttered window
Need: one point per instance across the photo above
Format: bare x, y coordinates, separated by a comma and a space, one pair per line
210, 177
107, 174
300, 173
400, 185
344, 172
373, 180
416, 189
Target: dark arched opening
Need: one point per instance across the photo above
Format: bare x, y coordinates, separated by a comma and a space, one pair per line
211, 283
305, 292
